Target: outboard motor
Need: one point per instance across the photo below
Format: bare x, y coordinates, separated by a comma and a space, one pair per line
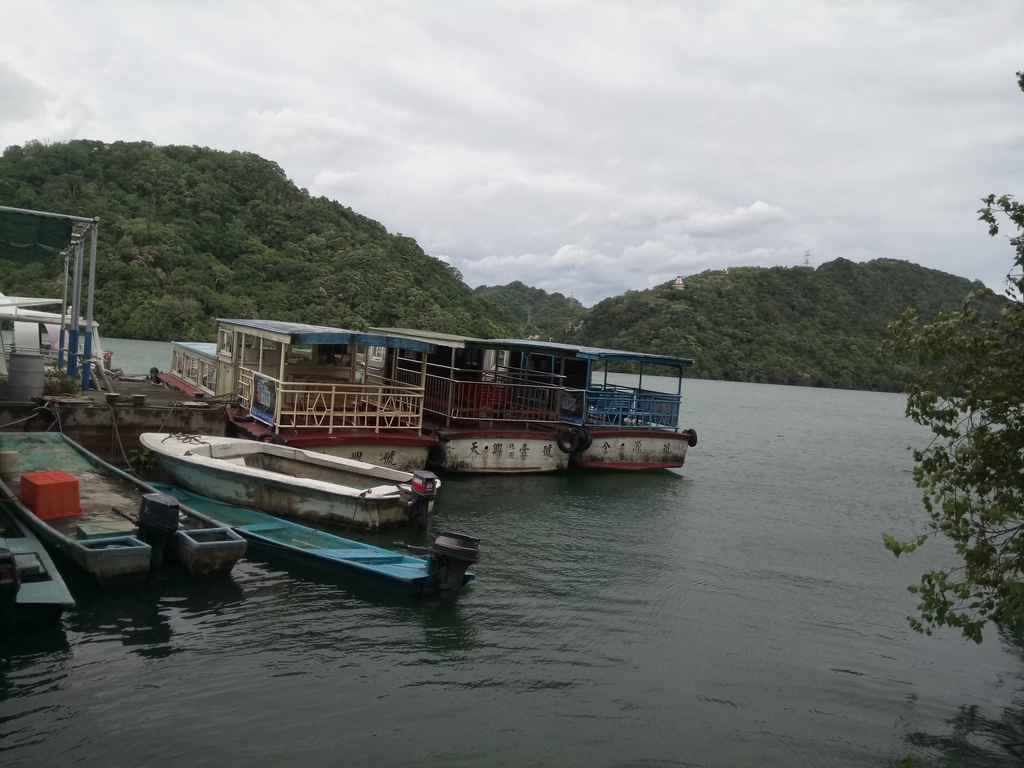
453, 553
424, 491
158, 523
10, 579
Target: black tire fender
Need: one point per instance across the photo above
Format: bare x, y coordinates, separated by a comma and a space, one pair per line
436, 456
585, 438
692, 439
568, 440
271, 437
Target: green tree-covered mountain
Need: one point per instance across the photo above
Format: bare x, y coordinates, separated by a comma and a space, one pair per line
188, 234
796, 325
535, 311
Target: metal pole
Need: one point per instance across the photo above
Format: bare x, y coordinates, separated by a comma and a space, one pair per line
64, 311
84, 219
76, 308
87, 362
423, 385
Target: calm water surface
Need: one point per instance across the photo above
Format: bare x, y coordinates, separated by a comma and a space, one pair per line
740, 611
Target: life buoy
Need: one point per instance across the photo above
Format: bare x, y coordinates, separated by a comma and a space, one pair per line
435, 456
692, 439
568, 440
585, 438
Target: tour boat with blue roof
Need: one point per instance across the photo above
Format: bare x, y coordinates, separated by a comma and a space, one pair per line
513, 405
607, 421
331, 390
488, 415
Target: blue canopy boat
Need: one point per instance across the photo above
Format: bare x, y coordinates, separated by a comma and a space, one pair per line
32, 593
442, 573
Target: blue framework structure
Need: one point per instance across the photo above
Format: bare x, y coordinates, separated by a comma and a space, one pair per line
92, 226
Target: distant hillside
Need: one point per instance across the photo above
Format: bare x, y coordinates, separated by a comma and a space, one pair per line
796, 325
188, 234
548, 315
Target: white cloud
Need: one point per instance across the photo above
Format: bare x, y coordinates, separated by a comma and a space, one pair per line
581, 147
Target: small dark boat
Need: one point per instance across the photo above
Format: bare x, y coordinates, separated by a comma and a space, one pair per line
82, 506
443, 572
32, 593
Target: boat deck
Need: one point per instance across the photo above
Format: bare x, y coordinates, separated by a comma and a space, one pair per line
99, 491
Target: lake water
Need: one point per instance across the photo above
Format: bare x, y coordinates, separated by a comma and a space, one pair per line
740, 611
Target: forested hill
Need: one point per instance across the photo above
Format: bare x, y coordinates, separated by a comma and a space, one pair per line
188, 234
534, 310
795, 325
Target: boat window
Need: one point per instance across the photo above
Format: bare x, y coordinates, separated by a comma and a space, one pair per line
298, 354
226, 343
575, 371
250, 350
331, 354
208, 376
470, 359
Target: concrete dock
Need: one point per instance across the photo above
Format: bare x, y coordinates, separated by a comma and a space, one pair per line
108, 424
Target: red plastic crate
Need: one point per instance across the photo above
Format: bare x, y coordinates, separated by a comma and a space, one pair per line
51, 493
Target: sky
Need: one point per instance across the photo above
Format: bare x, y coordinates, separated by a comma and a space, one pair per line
583, 147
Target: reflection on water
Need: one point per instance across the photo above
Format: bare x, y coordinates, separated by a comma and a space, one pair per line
739, 611
973, 736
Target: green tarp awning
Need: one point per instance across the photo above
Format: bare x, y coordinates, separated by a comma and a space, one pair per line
27, 237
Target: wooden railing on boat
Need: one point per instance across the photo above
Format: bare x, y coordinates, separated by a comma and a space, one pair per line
328, 405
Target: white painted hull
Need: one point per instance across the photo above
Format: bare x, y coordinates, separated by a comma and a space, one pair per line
503, 454
633, 449
286, 481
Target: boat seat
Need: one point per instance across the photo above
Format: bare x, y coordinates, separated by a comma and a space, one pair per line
361, 556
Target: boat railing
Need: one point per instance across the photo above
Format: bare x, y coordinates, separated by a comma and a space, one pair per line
486, 396
329, 404
625, 407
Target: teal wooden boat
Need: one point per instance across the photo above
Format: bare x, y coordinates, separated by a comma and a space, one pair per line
32, 592
100, 539
443, 572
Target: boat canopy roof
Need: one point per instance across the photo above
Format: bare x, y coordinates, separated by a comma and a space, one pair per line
436, 339
588, 353
532, 345
301, 333
203, 348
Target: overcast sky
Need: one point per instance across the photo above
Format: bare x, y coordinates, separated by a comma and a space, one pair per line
588, 147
